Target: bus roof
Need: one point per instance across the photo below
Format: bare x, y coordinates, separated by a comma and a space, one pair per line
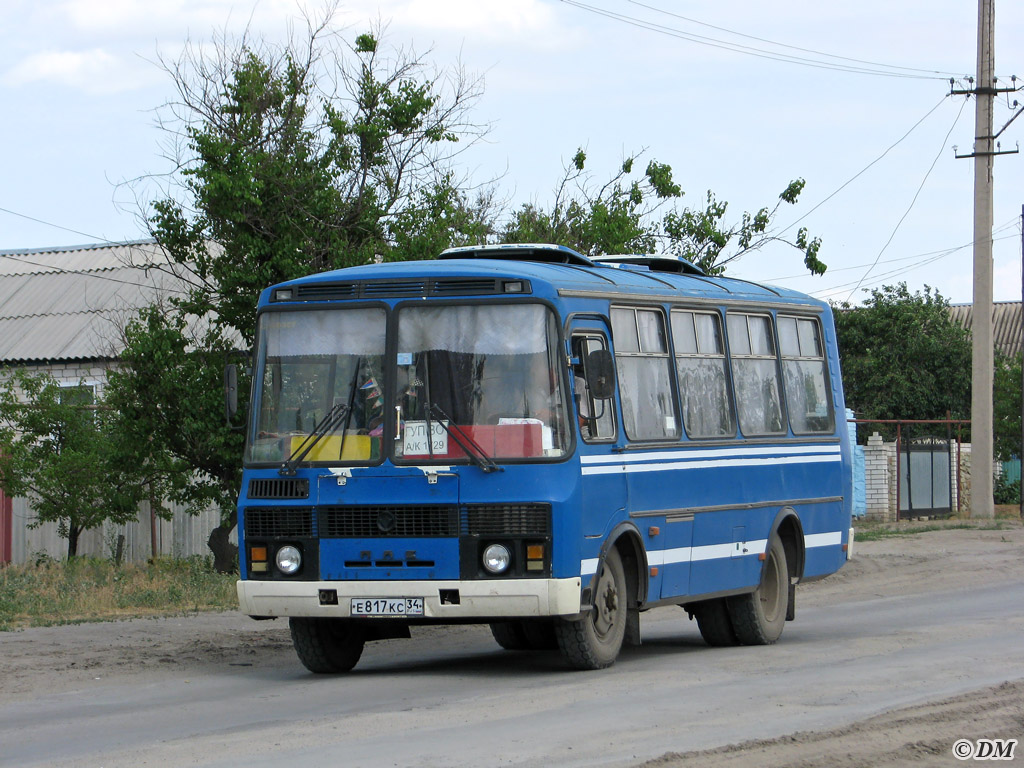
551, 271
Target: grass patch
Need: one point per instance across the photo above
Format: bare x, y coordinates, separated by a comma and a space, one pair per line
878, 531
88, 589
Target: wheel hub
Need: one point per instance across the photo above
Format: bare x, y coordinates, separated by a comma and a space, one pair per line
606, 605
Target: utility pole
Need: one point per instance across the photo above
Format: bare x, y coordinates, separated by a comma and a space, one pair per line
982, 357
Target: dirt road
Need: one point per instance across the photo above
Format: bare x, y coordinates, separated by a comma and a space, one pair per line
47, 673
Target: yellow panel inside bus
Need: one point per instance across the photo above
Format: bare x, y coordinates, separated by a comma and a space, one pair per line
357, 448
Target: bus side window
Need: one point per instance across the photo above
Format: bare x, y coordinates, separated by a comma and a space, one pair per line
646, 390
755, 374
703, 379
805, 374
596, 417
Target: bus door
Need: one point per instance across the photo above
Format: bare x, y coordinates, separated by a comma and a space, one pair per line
603, 481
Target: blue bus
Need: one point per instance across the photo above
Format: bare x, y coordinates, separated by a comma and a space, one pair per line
549, 444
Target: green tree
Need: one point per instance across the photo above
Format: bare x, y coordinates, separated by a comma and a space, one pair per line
168, 403
641, 213
1006, 414
903, 357
294, 159
66, 455
290, 166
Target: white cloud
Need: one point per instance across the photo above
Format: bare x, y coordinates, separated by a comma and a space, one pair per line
94, 71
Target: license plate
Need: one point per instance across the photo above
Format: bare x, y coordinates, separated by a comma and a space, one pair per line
387, 606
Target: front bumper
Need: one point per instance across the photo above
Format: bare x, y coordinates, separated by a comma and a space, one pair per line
485, 599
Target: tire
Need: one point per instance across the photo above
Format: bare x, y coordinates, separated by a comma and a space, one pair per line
540, 634
714, 623
758, 617
510, 635
326, 646
525, 635
594, 641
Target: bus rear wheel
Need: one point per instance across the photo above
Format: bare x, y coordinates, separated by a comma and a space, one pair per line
758, 617
510, 635
525, 635
714, 623
594, 641
326, 646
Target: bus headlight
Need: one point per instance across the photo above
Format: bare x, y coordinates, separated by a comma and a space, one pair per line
497, 558
288, 560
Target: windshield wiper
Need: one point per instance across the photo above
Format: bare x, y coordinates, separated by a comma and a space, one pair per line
338, 414
477, 455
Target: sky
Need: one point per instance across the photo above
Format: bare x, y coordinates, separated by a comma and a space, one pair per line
738, 96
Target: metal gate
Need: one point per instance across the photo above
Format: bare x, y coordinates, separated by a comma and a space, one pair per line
926, 477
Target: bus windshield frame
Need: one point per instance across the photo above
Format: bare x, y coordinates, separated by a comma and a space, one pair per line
355, 385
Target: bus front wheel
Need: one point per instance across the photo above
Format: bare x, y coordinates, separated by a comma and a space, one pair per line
758, 617
594, 641
326, 646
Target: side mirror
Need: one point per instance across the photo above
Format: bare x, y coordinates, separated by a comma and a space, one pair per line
600, 370
230, 391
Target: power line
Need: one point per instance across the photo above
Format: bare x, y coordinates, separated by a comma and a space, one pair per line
51, 269
56, 226
868, 166
944, 75
84, 273
919, 259
836, 290
914, 200
930, 258
746, 49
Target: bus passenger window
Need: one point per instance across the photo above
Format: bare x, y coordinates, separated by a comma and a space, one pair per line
755, 374
804, 372
704, 384
645, 374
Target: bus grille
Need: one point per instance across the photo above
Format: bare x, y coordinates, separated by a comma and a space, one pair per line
464, 286
264, 522
375, 521
448, 286
507, 519
279, 488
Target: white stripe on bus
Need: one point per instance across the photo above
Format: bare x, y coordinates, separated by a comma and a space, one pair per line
831, 539
695, 453
707, 464
662, 557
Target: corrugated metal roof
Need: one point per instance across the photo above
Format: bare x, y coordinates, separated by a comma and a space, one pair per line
1006, 324
64, 303
81, 258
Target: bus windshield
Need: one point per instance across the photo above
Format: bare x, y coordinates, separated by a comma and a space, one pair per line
312, 366
479, 378
482, 380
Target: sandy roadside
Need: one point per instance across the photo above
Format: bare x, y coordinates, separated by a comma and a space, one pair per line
921, 735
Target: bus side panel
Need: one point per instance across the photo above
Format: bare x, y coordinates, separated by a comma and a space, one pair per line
733, 495
826, 530
726, 546
657, 502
